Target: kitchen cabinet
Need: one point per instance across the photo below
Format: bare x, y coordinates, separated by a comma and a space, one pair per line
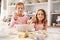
54, 12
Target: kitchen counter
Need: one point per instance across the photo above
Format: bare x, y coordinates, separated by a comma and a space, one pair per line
53, 34
53, 26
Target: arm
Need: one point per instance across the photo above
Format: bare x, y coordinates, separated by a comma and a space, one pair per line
13, 21
31, 21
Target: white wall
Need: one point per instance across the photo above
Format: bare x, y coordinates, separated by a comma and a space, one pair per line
3, 9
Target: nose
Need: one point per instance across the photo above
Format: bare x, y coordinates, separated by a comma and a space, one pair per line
20, 9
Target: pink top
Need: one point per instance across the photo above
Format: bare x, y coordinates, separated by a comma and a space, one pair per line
20, 20
39, 26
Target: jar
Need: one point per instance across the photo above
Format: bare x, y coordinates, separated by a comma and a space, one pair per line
54, 24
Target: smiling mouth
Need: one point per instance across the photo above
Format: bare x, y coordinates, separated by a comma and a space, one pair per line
40, 17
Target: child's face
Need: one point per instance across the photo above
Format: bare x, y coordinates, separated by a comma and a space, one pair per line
20, 8
40, 15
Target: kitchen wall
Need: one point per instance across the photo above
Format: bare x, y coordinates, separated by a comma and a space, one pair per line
33, 8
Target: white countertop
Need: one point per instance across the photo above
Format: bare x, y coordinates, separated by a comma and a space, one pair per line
51, 36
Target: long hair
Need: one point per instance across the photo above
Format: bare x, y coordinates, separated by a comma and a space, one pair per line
44, 21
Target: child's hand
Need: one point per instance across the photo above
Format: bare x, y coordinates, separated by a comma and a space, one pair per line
29, 21
33, 19
15, 17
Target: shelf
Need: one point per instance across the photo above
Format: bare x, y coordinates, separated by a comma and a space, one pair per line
43, 3
37, 3
56, 1
55, 13
11, 5
30, 14
25, 14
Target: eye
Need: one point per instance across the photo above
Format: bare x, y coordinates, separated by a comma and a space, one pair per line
18, 8
38, 14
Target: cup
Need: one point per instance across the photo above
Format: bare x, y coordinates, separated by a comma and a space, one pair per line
54, 24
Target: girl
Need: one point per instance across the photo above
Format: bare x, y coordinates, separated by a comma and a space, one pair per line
39, 20
19, 18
